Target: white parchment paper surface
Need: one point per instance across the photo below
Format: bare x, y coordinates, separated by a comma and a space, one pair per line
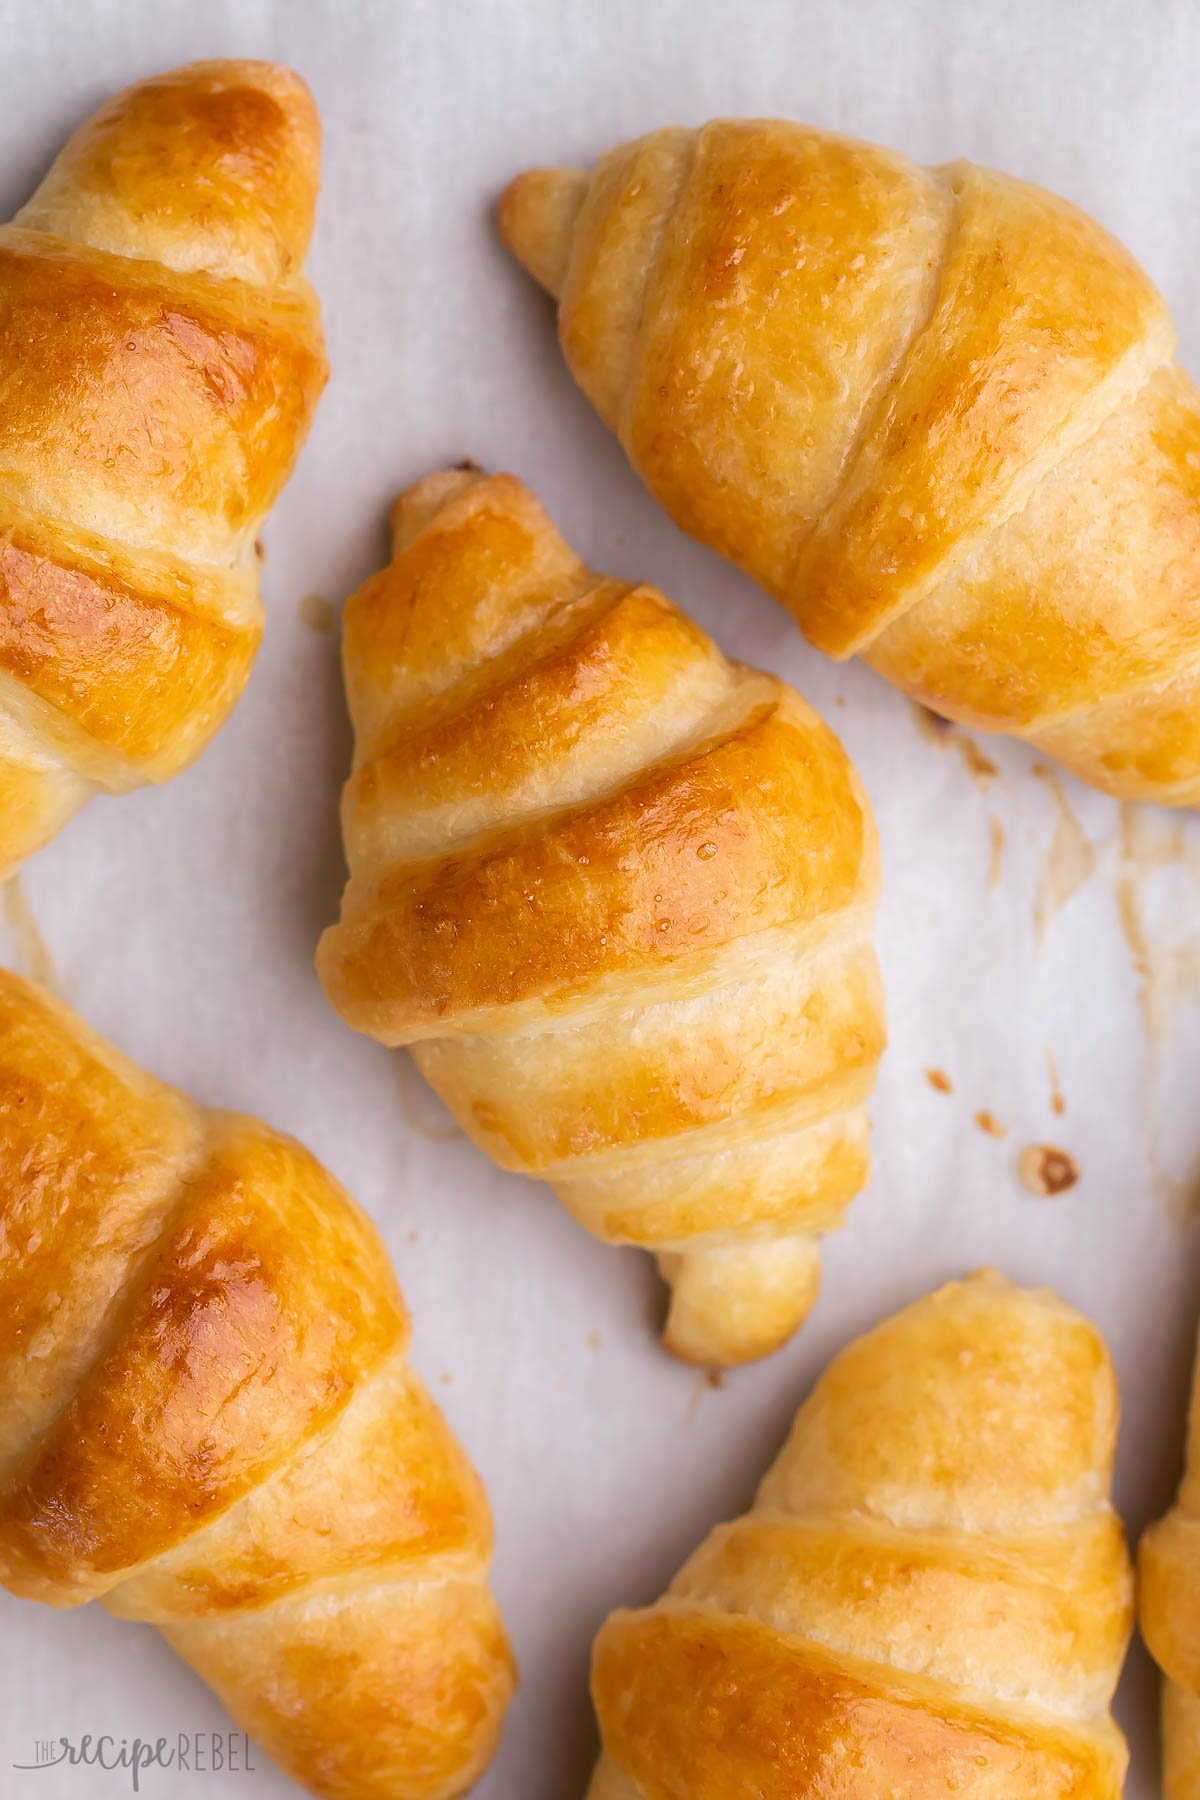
1036, 939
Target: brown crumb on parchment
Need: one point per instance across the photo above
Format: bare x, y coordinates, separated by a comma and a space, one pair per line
317, 612
1058, 1105
939, 1081
997, 863
988, 1122
932, 727
936, 730
1046, 1170
981, 768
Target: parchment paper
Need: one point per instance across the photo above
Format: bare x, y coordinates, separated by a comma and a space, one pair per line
1036, 939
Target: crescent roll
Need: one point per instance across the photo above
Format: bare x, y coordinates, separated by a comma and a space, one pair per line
160, 361
208, 1421
616, 892
1169, 1606
930, 1596
934, 412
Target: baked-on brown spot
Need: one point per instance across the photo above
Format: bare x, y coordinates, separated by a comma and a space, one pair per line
932, 727
1047, 1171
317, 612
1058, 1104
997, 863
939, 1081
980, 767
988, 1122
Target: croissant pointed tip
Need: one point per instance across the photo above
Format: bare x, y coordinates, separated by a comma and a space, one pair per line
213, 167
739, 1302
413, 509
536, 214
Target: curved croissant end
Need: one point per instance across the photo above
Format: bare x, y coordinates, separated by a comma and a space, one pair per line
208, 1421
160, 361
935, 412
1169, 1607
616, 892
930, 1596
537, 215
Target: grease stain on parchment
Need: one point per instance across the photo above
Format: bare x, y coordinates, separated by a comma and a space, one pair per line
1070, 861
932, 727
318, 613
1166, 971
996, 866
979, 766
31, 954
943, 734
1058, 1105
1166, 965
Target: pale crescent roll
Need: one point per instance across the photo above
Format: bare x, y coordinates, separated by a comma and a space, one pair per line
930, 1597
617, 893
160, 363
935, 412
208, 1421
1169, 1612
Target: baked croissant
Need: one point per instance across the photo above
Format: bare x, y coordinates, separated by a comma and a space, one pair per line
208, 1421
930, 1595
616, 892
160, 360
1169, 1572
935, 412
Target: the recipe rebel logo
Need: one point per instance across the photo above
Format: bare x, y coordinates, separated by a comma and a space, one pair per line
188, 1752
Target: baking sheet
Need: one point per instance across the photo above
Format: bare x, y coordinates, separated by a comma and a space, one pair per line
1041, 945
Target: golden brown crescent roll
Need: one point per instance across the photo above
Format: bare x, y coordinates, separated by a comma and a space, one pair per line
935, 412
160, 360
930, 1596
616, 892
1169, 1572
208, 1421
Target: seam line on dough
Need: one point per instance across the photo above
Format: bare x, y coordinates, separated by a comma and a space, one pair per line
872, 413
1020, 1712
1112, 395
571, 1008
637, 343
761, 695
332, 1592
456, 1561
176, 1195
440, 706
212, 1124
1059, 444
